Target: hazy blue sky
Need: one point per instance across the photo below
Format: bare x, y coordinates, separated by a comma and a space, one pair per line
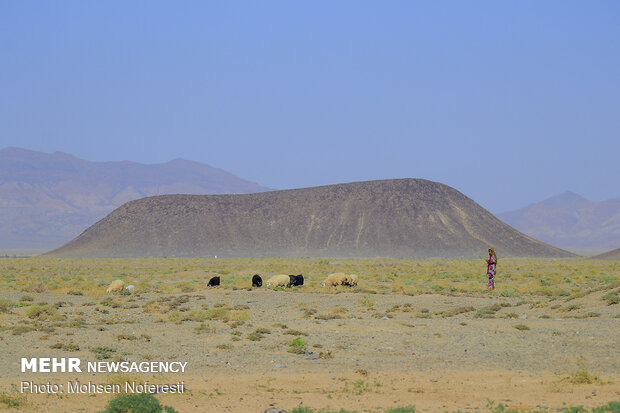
508, 101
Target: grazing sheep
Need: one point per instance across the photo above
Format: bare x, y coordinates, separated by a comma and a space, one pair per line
352, 282
337, 279
213, 282
257, 281
115, 286
296, 280
130, 288
279, 281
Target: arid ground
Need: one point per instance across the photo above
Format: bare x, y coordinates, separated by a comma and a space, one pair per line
413, 333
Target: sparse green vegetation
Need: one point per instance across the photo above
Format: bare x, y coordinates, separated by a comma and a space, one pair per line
258, 334
12, 400
103, 352
509, 292
612, 298
367, 302
357, 387
405, 409
297, 346
225, 314
204, 328
590, 314
295, 333
456, 311
488, 311
611, 407
66, 346
262, 330
136, 403
18, 330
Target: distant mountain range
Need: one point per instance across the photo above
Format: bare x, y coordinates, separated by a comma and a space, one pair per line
608, 255
48, 199
389, 218
570, 221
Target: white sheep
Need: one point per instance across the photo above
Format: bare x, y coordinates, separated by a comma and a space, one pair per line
279, 281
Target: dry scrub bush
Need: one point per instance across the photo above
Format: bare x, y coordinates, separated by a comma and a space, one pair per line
6, 305
44, 312
582, 375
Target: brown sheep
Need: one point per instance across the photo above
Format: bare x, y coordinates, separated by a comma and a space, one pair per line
336, 279
115, 286
352, 280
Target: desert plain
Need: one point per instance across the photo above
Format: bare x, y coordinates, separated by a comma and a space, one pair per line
423, 334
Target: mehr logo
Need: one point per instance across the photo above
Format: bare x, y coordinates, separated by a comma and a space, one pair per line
51, 365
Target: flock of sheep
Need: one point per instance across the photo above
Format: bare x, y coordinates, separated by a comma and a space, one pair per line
332, 280
282, 280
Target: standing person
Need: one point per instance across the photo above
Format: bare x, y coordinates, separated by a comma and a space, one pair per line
491, 268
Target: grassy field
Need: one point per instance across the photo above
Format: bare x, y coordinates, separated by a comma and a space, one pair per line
413, 332
516, 277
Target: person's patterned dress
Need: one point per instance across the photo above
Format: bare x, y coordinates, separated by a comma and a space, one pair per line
491, 267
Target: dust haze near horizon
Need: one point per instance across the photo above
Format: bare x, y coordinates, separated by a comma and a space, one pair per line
509, 103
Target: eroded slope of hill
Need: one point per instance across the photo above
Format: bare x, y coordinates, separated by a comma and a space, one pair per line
399, 218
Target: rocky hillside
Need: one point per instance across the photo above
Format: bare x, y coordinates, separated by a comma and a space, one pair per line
398, 218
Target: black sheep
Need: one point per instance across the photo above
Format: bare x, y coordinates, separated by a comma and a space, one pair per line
257, 281
213, 282
296, 280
